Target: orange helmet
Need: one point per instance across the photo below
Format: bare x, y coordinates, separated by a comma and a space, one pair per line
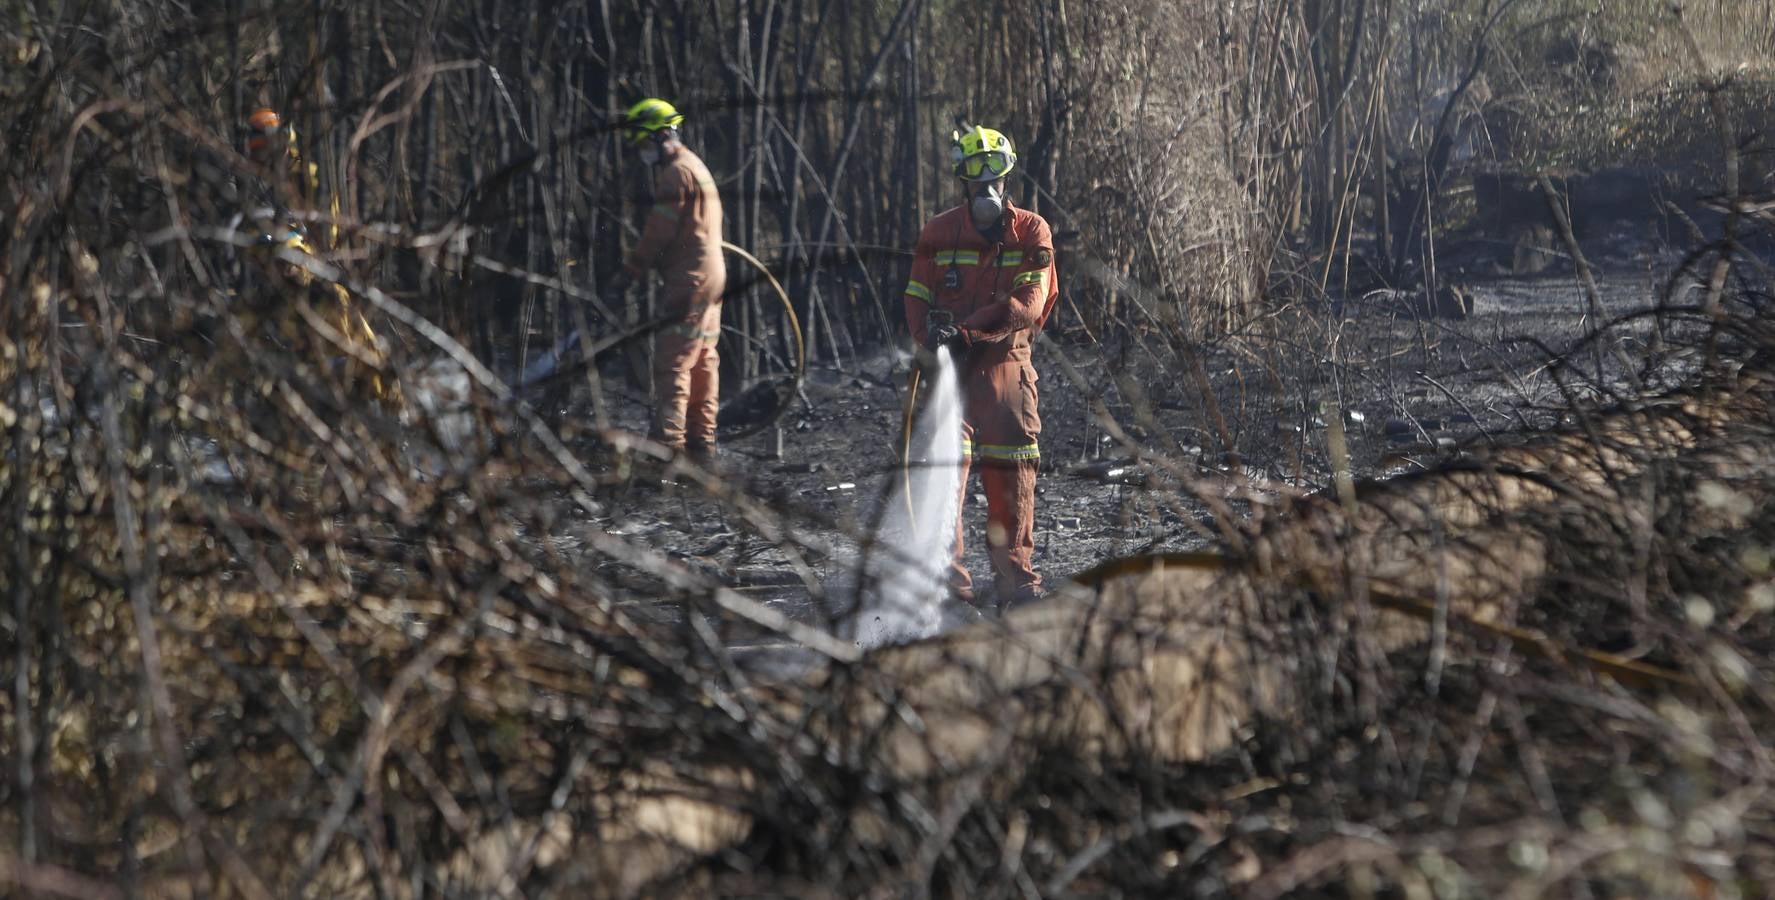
265, 119
263, 123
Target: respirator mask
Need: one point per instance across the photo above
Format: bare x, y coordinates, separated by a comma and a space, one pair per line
988, 205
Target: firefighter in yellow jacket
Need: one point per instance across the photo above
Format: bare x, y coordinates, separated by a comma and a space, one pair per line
682, 238
987, 268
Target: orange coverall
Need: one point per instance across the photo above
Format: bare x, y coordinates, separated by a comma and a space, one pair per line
1000, 290
682, 238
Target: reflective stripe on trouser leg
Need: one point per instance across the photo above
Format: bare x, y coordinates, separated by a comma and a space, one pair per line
1028, 452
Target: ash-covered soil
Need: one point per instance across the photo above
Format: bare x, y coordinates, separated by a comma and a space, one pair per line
1411, 391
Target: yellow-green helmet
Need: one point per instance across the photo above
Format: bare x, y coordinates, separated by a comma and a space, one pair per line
649, 117
981, 154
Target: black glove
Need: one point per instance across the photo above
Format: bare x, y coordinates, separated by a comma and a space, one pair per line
946, 336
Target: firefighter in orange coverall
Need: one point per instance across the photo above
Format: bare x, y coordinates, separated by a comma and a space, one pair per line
990, 267
293, 183
682, 238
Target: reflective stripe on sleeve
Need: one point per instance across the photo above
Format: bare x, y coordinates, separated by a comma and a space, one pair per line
666, 211
915, 289
1037, 277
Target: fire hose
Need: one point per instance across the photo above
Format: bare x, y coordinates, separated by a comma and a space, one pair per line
794, 332
553, 363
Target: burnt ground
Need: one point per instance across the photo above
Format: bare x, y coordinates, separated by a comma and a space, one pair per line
1412, 391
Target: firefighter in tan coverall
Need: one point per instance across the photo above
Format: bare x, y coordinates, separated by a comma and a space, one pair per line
990, 267
682, 238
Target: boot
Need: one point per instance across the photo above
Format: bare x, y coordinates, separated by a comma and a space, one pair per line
708, 457
1005, 601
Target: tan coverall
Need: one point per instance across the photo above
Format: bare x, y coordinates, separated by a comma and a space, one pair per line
682, 238
1000, 290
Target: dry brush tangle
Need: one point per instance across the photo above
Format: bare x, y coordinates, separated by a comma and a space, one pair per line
262, 644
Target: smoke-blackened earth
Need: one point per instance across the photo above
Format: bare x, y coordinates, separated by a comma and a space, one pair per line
1410, 391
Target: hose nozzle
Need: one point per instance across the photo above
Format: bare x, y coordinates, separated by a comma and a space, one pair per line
926, 357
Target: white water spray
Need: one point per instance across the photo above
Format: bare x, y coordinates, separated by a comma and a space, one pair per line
906, 575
